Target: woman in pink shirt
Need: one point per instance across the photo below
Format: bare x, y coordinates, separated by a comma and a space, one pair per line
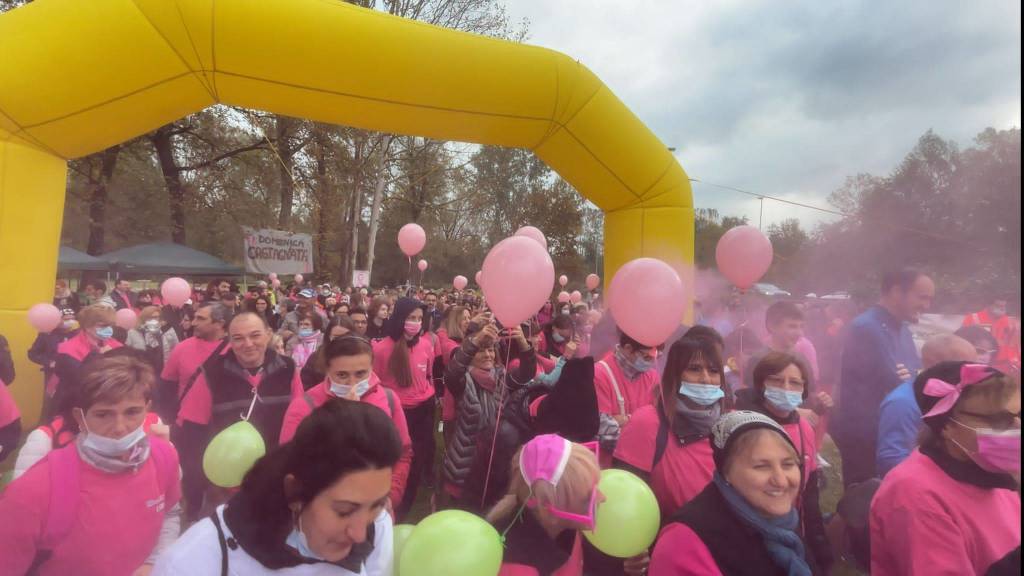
106, 504
745, 522
780, 383
664, 443
348, 361
404, 362
953, 506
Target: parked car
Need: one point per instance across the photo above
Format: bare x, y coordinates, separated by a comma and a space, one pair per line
841, 295
765, 289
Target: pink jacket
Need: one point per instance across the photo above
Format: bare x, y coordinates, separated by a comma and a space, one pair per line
421, 358
376, 395
680, 552
923, 522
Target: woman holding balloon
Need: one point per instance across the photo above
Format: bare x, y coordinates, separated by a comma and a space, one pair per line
108, 502
665, 443
404, 362
313, 506
745, 521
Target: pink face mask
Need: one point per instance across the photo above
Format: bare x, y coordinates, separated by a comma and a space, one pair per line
998, 450
544, 458
412, 327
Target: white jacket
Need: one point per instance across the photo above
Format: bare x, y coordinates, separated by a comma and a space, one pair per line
198, 553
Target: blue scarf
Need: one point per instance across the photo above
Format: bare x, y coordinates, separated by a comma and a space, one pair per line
784, 545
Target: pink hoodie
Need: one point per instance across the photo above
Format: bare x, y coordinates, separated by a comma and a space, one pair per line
421, 357
923, 522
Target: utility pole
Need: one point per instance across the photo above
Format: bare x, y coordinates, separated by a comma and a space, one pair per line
760, 218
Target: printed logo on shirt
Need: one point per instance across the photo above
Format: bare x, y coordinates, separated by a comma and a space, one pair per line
422, 367
157, 503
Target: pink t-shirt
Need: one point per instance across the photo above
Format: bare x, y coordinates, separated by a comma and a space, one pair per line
572, 567
117, 521
925, 522
635, 393
805, 348
680, 552
682, 472
186, 358
8, 407
197, 406
421, 358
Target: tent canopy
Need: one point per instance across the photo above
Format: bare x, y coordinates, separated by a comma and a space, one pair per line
168, 258
71, 260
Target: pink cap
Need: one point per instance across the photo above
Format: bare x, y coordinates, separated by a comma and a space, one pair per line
544, 458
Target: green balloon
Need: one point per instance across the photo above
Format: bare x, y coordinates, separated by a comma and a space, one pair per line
402, 533
232, 453
627, 521
452, 543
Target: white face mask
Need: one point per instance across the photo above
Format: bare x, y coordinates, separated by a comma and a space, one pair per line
152, 325
111, 447
343, 390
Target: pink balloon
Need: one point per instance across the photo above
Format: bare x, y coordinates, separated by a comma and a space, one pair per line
646, 297
412, 239
299, 278
422, 265
535, 233
575, 297
175, 291
743, 255
460, 282
593, 281
479, 278
519, 278
563, 280
272, 276
126, 318
564, 297
44, 317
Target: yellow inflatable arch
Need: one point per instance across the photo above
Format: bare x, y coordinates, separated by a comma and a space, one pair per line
77, 77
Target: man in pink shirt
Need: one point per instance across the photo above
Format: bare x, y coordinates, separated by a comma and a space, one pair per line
182, 367
624, 380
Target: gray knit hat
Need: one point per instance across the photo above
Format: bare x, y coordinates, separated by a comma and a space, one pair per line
733, 425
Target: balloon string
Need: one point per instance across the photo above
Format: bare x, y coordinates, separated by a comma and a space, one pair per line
497, 423
408, 274
255, 396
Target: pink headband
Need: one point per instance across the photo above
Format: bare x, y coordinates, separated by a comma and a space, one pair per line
970, 374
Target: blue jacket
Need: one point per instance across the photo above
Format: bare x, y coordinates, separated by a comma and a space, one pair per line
899, 423
875, 345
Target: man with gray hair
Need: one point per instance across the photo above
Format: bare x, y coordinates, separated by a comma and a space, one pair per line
899, 419
183, 365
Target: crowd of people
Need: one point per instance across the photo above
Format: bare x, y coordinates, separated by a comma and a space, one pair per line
376, 405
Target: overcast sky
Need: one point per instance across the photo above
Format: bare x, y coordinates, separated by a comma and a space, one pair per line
789, 98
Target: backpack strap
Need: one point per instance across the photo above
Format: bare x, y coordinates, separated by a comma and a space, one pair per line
162, 454
195, 375
660, 441
223, 543
615, 387
309, 401
391, 401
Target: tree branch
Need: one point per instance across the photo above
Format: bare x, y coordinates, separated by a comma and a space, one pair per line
259, 145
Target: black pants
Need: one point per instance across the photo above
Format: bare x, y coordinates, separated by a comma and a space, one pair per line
10, 436
421, 430
858, 459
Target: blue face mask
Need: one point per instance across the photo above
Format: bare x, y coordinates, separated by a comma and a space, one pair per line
105, 333
343, 390
642, 364
557, 337
783, 400
297, 540
702, 394
306, 332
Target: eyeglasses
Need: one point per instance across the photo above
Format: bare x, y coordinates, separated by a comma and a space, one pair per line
586, 520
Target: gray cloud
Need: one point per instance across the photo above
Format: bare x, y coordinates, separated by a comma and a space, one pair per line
788, 98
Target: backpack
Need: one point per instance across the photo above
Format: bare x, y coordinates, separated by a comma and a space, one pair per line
64, 491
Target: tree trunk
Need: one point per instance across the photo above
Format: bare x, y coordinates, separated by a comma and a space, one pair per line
357, 207
323, 204
285, 167
172, 180
378, 197
98, 185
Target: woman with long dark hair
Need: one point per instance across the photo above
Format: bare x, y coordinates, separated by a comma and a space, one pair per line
379, 312
312, 506
404, 362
